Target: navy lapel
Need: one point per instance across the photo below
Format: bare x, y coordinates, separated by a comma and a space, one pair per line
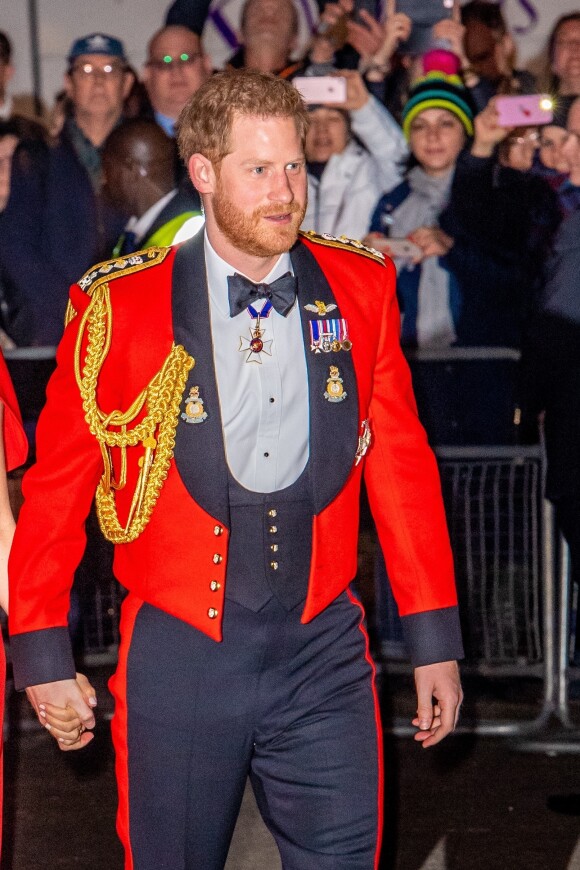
333, 425
199, 447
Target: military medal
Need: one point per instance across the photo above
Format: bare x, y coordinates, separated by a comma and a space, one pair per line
364, 441
335, 391
194, 411
255, 346
329, 335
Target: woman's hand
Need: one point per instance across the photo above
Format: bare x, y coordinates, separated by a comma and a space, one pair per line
432, 241
487, 132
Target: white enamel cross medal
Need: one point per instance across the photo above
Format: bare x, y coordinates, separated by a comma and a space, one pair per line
255, 346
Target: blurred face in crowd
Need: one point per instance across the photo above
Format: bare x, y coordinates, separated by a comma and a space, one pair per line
520, 147
255, 198
436, 138
489, 53
571, 147
327, 135
550, 143
7, 147
6, 73
118, 181
175, 70
267, 21
566, 57
97, 84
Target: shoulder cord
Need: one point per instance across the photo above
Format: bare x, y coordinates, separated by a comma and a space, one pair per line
156, 431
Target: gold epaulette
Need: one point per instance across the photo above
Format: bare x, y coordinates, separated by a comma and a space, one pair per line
344, 243
160, 401
117, 268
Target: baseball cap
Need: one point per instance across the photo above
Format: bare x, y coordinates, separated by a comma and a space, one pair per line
97, 43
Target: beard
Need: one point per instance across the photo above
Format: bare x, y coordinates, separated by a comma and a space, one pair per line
249, 233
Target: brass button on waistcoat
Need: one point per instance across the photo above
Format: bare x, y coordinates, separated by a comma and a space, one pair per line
274, 548
273, 530
215, 586
272, 512
212, 613
218, 530
217, 558
274, 566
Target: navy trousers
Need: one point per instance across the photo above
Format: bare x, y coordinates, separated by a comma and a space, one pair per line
291, 706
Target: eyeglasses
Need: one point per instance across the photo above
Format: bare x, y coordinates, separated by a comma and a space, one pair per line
168, 62
89, 70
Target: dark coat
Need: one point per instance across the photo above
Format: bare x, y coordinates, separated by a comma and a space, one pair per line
53, 229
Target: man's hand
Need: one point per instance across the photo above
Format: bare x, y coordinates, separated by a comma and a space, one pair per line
64, 708
332, 20
439, 697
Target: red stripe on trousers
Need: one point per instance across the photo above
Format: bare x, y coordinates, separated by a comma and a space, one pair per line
118, 686
379, 726
2, 693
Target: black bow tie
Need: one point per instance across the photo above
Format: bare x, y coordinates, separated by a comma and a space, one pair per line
243, 292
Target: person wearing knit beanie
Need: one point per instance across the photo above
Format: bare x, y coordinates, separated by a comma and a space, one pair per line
440, 87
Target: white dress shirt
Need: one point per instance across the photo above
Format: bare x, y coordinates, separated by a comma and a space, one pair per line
264, 407
141, 226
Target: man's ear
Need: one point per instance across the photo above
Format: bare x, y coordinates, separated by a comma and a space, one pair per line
68, 85
508, 50
207, 64
128, 79
202, 173
8, 73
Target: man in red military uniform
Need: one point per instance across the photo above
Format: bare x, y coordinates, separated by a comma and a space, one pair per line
223, 399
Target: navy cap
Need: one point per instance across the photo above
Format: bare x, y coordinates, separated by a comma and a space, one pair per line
97, 43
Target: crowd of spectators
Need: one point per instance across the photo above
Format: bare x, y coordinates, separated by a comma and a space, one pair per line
482, 219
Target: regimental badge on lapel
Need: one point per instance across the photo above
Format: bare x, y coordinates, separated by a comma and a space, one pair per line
329, 335
364, 441
335, 391
194, 411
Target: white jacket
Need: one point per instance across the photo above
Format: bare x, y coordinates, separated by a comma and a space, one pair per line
342, 202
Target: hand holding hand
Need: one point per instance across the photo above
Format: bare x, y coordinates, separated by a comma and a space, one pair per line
439, 697
65, 709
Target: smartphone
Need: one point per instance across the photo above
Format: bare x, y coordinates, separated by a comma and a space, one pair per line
321, 89
525, 110
402, 248
424, 14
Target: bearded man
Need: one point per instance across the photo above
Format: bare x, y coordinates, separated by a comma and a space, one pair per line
224, 399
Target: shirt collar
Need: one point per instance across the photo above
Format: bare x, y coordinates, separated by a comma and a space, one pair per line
166, 123
140, 226
218, 271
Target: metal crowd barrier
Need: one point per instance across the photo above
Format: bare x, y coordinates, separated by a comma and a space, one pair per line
502, 530
501, 527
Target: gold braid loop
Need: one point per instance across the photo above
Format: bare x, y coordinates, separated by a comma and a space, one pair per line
156, 431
